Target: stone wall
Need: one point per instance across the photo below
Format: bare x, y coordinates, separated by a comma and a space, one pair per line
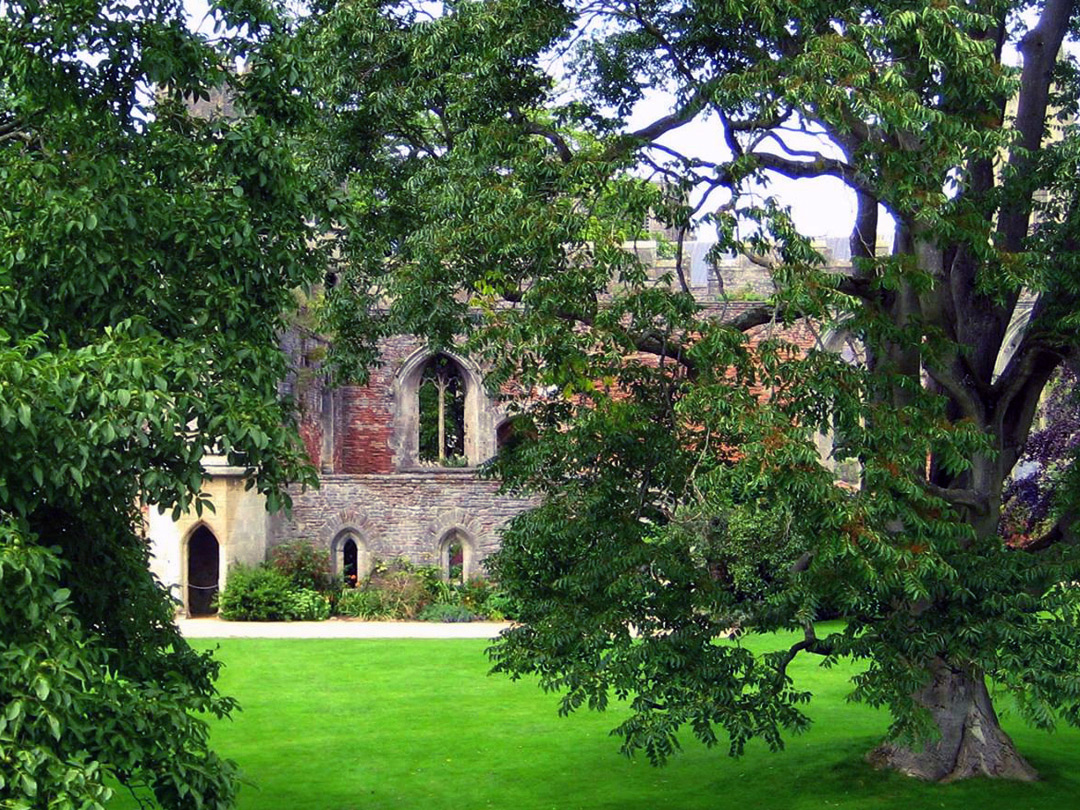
374, 489
239, 523
402, 515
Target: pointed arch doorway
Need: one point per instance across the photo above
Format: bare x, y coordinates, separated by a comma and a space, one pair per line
203, 572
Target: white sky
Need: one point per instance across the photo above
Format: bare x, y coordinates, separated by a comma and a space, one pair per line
820, 207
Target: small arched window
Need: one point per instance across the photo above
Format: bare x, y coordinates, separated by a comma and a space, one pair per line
350, 559
456, 556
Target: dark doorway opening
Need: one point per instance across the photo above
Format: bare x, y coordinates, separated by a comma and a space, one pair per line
203, 573
349, 566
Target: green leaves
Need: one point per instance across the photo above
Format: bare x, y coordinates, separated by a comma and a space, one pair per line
148, 266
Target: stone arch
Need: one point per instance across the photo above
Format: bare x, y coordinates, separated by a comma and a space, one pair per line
350, 557
339, 528
478, 417
455, 526
201, 569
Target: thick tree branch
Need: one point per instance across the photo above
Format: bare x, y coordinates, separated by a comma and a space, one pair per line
533, 128
965, 399
978, 501
810, 643
1017, 391
649, 133
820, 167
1039, 48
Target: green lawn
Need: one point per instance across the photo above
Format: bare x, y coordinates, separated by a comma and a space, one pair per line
338, 725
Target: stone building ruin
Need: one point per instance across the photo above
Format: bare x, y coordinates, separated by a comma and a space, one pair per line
397, 460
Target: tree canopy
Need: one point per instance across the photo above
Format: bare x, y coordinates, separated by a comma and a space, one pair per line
148, 258
671, 445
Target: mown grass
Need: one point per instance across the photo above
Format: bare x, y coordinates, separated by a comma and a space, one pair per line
345, 725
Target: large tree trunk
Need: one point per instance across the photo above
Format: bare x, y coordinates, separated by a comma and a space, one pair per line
972, 742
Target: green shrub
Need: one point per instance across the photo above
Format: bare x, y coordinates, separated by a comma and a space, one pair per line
403, 594
306, 566
404, 588
260, 594
475, 593
308, 605
447, 613
499, 607
483, 598
361, 603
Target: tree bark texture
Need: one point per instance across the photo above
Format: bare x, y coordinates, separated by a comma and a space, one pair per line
972, 742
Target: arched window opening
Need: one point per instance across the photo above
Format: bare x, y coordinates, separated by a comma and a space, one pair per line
442, 413
455, 557
514, 432
350, 568
203, 571
348, 551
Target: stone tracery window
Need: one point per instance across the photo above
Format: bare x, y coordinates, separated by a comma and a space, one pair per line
468, 417
441, 406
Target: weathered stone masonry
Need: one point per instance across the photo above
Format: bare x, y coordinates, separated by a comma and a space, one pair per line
375, 489
404, 515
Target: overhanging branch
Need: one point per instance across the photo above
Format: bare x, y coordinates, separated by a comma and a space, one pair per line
974, 500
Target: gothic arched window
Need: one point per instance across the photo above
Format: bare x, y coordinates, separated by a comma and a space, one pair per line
441, 408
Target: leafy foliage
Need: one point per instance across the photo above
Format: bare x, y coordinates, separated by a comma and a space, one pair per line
403, 591
268, 593
306, 566
361, 603
147, 262
257, 594
307, 605
647, 417
48, 658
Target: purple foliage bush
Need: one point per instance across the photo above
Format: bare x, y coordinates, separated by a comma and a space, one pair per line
1045, 471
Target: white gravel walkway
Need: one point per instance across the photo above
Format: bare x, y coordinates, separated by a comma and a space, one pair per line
337, 628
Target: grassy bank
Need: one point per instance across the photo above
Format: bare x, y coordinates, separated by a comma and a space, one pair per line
418, 724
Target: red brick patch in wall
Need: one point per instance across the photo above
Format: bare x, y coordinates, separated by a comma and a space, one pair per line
367, 429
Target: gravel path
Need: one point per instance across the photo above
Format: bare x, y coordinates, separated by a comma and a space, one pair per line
337, 628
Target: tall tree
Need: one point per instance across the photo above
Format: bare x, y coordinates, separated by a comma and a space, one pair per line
654, 433
147, 263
